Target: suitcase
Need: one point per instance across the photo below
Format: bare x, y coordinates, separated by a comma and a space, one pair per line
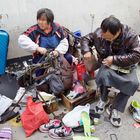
4, 42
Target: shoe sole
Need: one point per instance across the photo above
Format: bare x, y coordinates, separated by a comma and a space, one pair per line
43, 131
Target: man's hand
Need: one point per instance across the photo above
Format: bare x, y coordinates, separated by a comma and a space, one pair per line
108, 61
87, 55
41, 50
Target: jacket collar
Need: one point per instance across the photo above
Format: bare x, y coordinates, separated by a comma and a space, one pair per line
54, 30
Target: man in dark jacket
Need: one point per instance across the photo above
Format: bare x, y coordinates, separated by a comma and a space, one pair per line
118, 51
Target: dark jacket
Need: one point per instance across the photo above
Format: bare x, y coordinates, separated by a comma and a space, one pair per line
125, 49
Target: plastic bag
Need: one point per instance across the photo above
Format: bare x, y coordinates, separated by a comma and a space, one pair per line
33, 117
73, 118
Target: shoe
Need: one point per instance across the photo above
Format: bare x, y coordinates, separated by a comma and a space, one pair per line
52, 124
61, 133
115, 117
100, 107
134, 109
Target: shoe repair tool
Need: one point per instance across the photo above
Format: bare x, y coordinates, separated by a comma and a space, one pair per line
28, 79
86, 123
113, 137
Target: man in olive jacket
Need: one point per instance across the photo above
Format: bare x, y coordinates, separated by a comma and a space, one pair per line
118, 50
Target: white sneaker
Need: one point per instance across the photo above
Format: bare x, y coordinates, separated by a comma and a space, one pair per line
115, 118
100, 107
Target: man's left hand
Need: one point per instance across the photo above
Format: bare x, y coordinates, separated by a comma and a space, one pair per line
108, 61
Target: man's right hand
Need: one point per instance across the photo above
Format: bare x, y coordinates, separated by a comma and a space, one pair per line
87, 55
41, 50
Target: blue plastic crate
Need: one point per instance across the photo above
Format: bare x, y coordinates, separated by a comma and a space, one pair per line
4, 42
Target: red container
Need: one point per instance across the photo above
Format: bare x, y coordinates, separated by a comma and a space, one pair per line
81, 69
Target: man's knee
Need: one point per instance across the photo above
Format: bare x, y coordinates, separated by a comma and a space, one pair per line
134, 83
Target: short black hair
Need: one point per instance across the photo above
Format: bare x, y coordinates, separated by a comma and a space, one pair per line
47, 13
111, 24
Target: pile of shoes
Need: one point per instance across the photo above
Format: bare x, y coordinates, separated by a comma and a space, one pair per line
65, 129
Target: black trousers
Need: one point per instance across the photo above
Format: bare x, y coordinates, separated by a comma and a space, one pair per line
119, 102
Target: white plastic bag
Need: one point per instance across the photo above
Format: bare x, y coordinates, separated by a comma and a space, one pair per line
73, 118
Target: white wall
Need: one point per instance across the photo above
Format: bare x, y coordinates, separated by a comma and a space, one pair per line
18, 15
